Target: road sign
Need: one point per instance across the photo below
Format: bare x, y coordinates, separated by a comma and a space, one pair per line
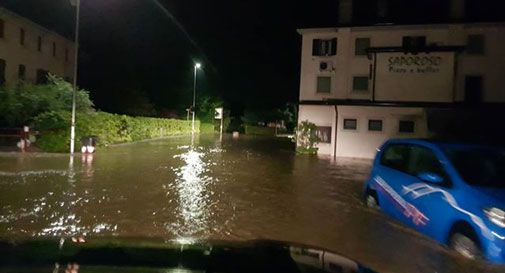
218, 114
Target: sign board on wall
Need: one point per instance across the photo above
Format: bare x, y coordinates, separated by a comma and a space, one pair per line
426, 77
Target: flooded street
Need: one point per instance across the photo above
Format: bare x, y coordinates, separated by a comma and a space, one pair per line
251, 188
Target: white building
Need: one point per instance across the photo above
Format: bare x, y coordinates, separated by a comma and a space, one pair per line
362, 85
29, 51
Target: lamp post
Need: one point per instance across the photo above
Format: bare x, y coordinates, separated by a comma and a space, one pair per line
196, 67
77, 4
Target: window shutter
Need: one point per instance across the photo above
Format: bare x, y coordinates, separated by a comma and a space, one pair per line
316, 47
333, 47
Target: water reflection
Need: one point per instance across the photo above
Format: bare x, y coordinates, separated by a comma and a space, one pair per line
65, 222
193, 196
87, 167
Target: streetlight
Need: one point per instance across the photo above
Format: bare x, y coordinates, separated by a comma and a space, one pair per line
77, 4
197, 66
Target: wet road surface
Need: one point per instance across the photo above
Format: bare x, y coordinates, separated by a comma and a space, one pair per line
249, 188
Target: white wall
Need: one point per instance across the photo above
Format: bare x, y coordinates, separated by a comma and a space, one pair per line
346, 65
321, 115
362, 143
15, 54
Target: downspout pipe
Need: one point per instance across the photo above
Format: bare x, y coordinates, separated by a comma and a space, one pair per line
336, 130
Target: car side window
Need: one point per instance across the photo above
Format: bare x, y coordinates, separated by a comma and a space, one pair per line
396, 156
423, 159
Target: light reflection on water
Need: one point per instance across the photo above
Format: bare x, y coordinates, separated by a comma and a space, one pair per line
193, 196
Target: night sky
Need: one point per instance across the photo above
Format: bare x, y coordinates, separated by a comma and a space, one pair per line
250, 49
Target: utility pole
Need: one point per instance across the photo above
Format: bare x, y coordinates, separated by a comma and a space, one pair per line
196, 67
77, 4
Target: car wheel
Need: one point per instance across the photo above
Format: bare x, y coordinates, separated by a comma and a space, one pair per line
465, 245
371, 200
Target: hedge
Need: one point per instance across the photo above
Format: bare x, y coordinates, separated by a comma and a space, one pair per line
260, 131
207, 128
109, 128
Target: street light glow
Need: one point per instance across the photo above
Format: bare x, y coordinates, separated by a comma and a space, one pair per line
198, 65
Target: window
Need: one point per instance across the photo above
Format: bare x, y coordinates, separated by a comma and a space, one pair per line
473, 89
21, 72
324, 134
21, 36
2, 28
396, 156
412, 160
350, 124
54, 49
42, 76
406, 126
39, 43
479, 166
414, 41
475, 44
422, 159
323, 84
2, 71
66, 54
324, 47
360, 83
360, 46
374, 125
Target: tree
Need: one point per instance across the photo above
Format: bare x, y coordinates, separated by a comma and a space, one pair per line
205, 107
20, 104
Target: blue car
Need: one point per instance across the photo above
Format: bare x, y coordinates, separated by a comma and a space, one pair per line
454, 193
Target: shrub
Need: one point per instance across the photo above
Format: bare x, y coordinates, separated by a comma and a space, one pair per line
109, 128
306, 138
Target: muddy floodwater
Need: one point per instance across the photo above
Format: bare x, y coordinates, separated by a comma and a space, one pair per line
250, 188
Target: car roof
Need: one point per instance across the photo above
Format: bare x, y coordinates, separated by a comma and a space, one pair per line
443, 143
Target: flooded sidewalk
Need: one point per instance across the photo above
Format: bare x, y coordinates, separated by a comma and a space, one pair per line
250, 188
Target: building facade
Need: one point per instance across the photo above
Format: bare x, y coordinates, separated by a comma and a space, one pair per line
362, 85
29, 51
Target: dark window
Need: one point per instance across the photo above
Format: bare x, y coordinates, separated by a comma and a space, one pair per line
406, 126
54, 49
396, 156
21, 72
39, 43
473, 89
414, 41
374, 125
21, 36
324, 134
422, 160
478, 166
475, 44
361, 45
324, 47
42, 76
350, 124
2, 71
360, 83
323, 84
2, 28
66, 54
